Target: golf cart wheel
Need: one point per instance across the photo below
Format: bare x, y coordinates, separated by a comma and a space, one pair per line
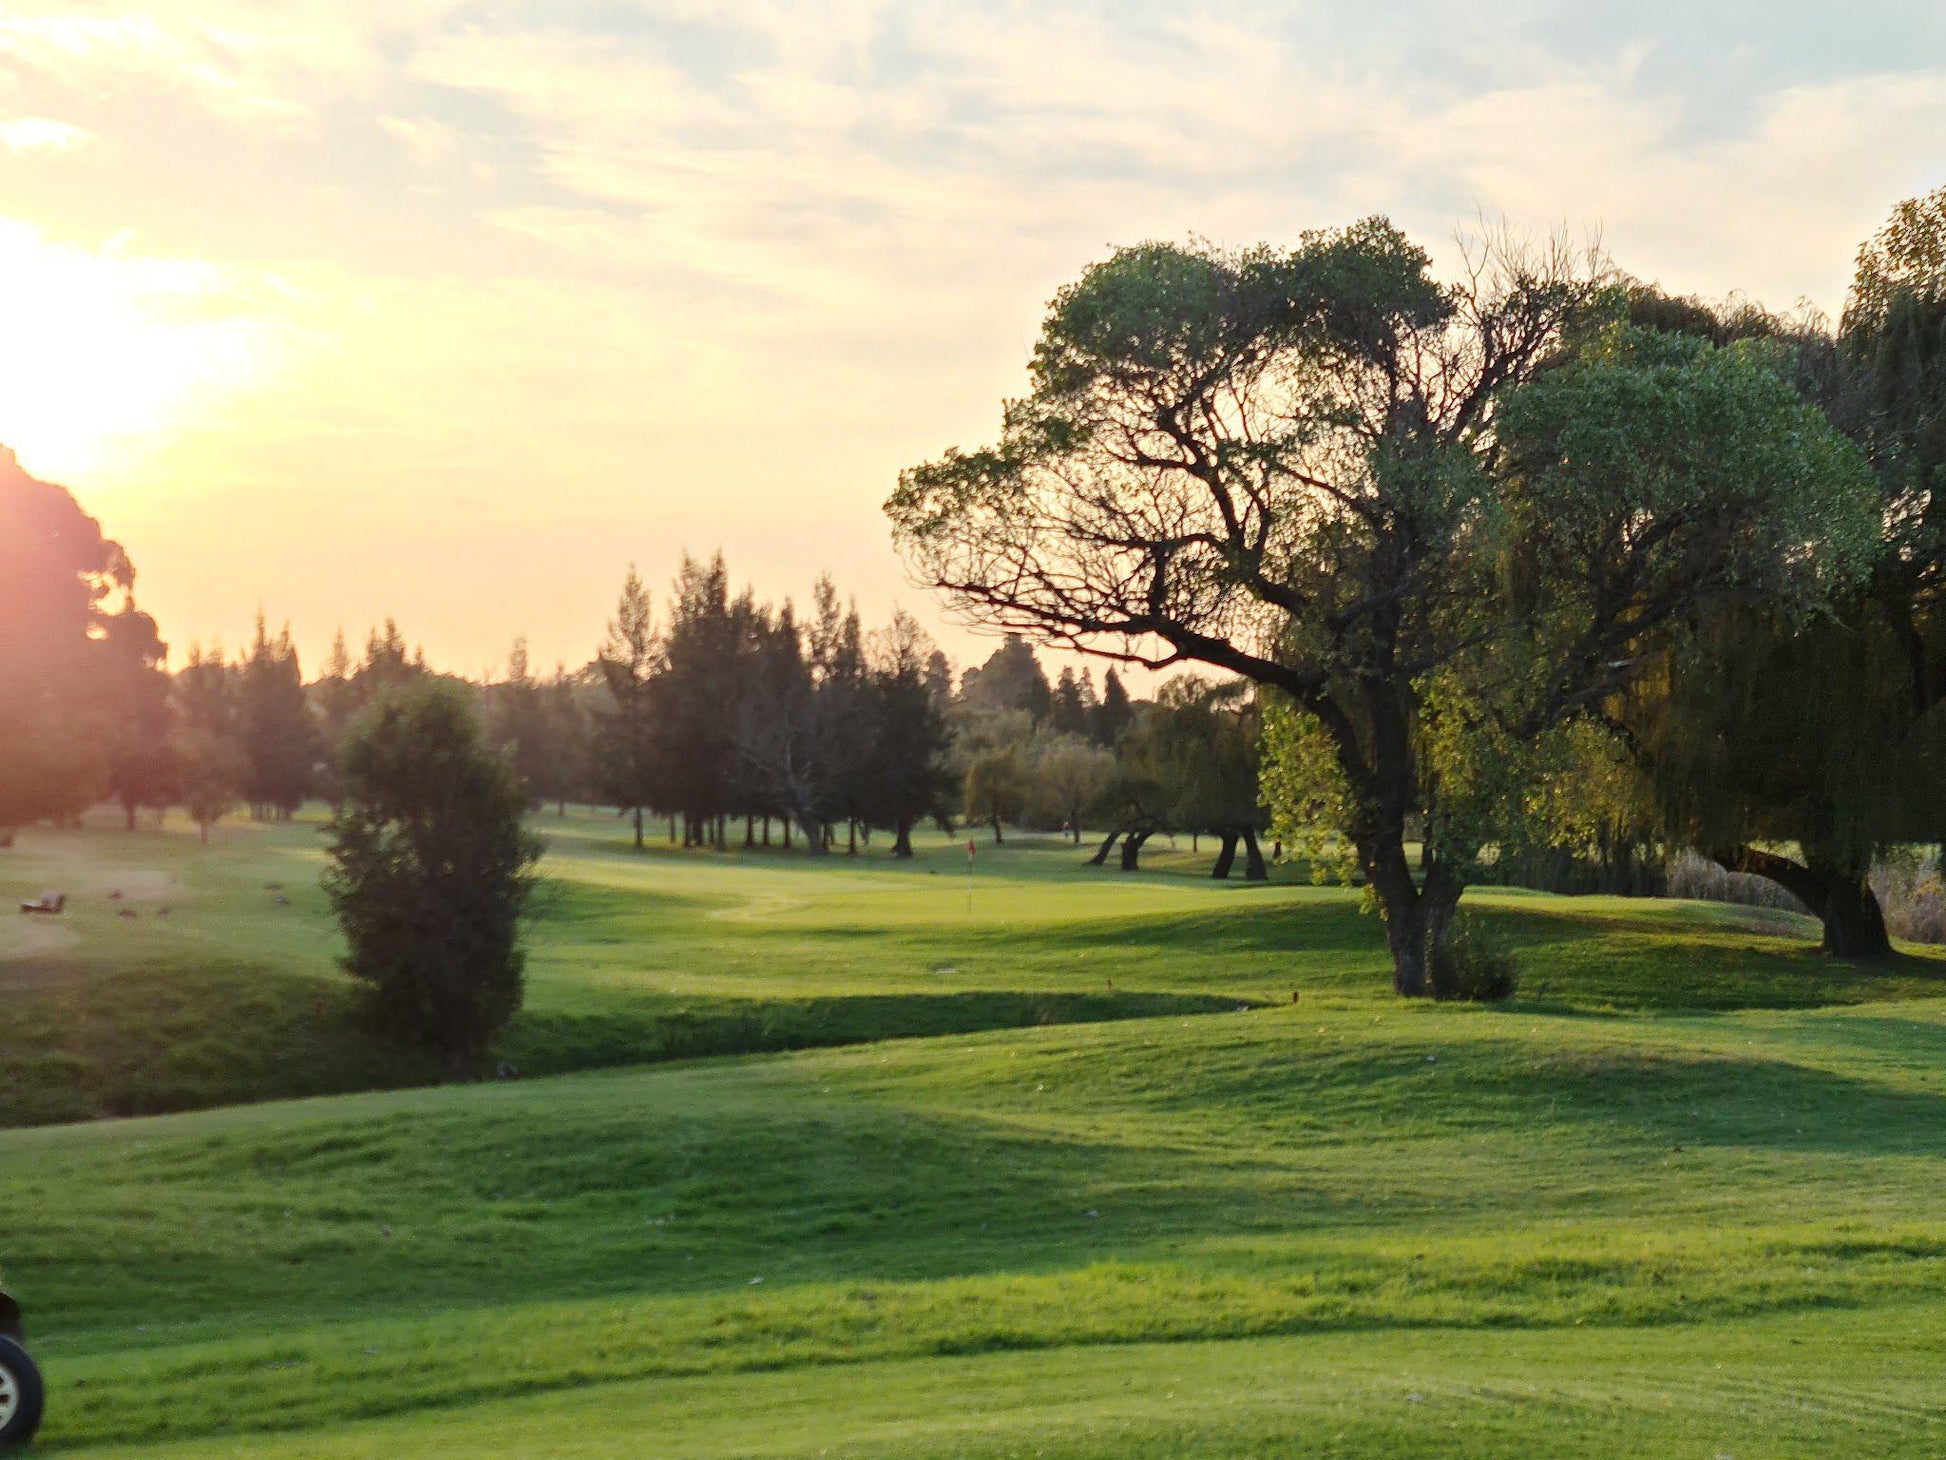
21, 1394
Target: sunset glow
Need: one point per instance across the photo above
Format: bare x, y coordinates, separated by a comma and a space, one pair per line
551, 290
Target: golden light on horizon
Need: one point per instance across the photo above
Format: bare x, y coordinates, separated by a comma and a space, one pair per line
110, 346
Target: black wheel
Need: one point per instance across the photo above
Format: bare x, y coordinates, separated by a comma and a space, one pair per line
21, 1394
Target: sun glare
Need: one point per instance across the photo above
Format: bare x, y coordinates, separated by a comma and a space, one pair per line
123, 348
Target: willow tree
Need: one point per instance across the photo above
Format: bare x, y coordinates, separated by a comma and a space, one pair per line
1800, 751
1441, 520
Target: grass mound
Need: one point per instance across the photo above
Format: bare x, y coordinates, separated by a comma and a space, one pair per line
1682, 1190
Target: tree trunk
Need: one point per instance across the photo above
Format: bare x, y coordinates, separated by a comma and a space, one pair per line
1107, 846
203, 828
638, 828
851, 836
1225, 858
998, 840
1132, 850
787, 833
1839, 897
749, 831
902, 847
1254, 869
1417, 919
766, 829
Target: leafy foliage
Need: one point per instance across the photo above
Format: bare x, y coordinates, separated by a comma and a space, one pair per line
431, 870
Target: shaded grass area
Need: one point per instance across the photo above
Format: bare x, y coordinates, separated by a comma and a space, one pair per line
186, 977
1280, 1172
82, 1041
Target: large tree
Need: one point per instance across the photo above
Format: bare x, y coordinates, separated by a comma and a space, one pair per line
1801, 751
1442, 519
67, 623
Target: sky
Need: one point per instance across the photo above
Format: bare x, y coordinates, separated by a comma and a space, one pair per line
451, 311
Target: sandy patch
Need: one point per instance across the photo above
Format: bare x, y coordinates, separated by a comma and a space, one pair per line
24, 937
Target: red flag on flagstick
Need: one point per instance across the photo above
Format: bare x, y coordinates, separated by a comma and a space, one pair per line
971, 849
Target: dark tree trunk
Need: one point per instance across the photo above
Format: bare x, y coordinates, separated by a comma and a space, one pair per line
749, 831
766, 829
1417, 919
1254, 869
851, 837
638, 829
1839, 897
1132, 850
998, 840
1225, 858
1107, 846
902, 847
787, 833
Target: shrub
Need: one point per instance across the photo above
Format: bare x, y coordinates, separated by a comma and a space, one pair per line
1474, 967
1907, 883
431, 871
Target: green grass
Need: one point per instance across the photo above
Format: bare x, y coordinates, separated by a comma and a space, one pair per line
1684, 1196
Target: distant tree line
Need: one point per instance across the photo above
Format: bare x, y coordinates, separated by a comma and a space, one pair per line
1535, 573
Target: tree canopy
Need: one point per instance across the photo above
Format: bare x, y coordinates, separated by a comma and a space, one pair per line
1442, 519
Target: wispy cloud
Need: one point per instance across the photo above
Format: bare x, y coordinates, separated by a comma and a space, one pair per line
693, 270
38, 134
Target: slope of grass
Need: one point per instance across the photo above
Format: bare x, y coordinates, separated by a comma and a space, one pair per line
1278, 1172
211, 979
1684, 1196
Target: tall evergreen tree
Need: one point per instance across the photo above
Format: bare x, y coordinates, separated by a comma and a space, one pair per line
564, 770
626, 735
210, 761
1115, 712
142, 762
520, 726
842, 707
694, 700
278, 736
906, 777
